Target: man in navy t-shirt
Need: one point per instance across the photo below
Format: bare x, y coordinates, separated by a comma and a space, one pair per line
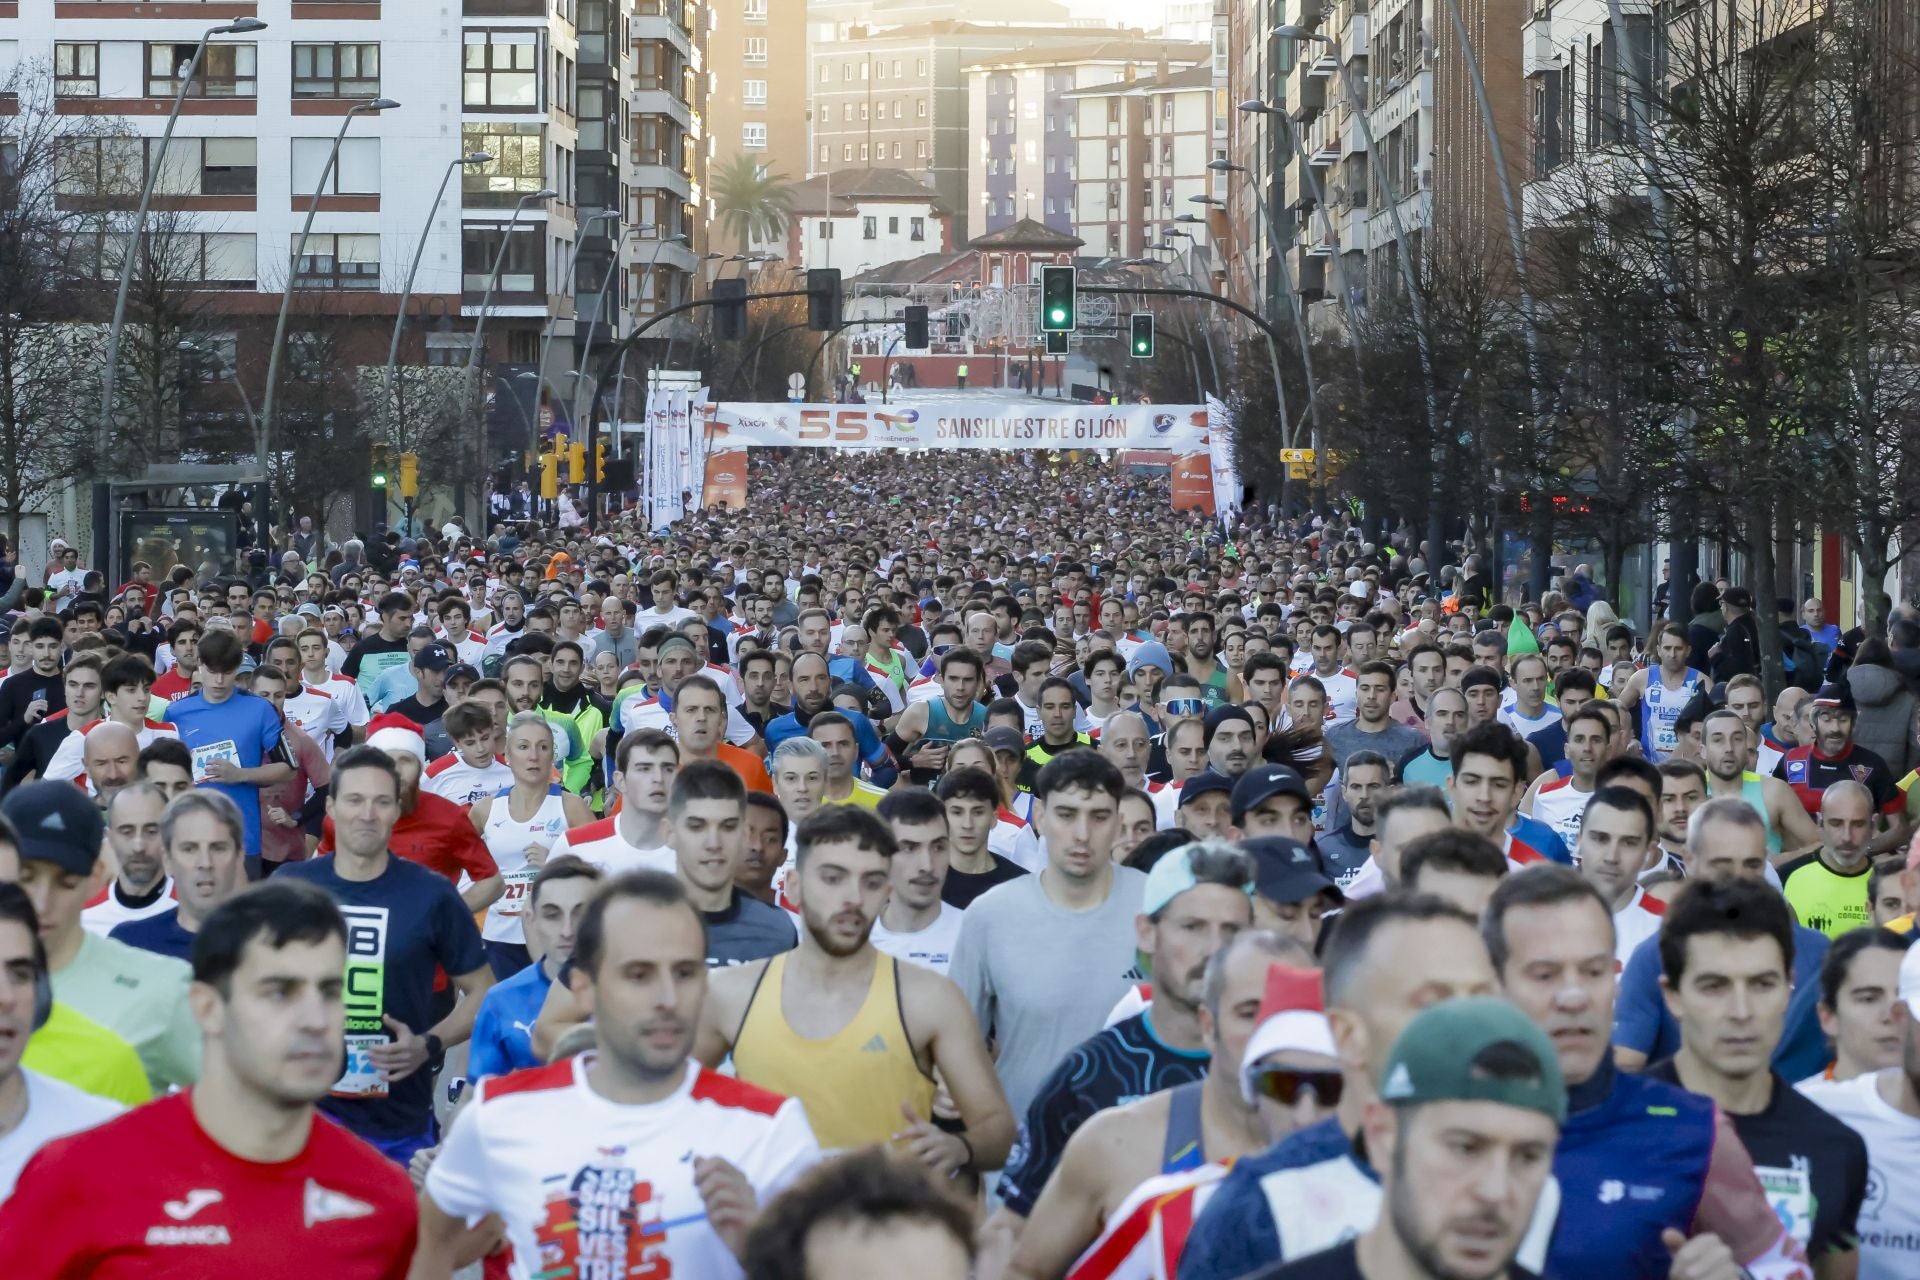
402, 921
233, 735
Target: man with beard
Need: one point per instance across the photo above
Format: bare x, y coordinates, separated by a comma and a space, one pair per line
1365, 779
42, 744
513, 621
926, 730
566, 695
1196, 899
429, 830
140, 888
1473, 1102
242, 1157
1217, 685
861, 1035
542, 1151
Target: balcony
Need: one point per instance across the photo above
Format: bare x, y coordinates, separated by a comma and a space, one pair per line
1536, 45
506, 8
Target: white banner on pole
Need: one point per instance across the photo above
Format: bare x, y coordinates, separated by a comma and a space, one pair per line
986, 422
1226, 472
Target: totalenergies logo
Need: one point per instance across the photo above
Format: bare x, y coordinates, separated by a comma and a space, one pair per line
902, 421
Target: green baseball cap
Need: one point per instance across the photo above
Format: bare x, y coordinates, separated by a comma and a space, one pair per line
1438, 1058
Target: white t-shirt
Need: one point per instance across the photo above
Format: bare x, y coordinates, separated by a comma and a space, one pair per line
1343, 696
1633, 924
54, 1110
1524, 725
69, 758
451, 778
607, 1189
1889, 1222
601, 844
1561, 806
321, 714
931, 947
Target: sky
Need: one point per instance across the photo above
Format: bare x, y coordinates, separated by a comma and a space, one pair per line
1129, 13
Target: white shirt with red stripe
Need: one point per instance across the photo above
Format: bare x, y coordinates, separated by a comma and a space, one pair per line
1014, 839
601, 844
1561, 806
1343, 695
68, 763
321, 714
471, 648
1634, 923
1146, 1235
451, 778
591, 1187
353, 703
108, 907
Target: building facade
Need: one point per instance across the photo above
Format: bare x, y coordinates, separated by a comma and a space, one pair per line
861, 220
1143, 146
756, 90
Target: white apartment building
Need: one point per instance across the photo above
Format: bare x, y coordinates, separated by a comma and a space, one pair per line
866, 218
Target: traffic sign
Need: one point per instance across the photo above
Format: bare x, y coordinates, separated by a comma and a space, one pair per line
1298, 470
796, 382
1296, 455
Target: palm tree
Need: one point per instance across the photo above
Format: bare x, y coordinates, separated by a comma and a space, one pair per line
754, 205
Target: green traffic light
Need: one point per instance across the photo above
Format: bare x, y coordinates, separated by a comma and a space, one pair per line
1059, 315
379, 479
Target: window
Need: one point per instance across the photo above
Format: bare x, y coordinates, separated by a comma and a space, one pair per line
920, 149
916, 228
205, 260
753, 92
356, 173
753, 137
824, 231
896, 151
846, 152
826, 153
869, 228
920, 108
518, 166
226, 70
76, 70
336, 71
521, 270
826, 73
863, 111
846, 113
879, 71
1545, 94
230, 166
756, 51
114, 167
863, 151
502, 70
755, 10
896, 68
846, 72
920, 67
865, 69
339, 262
893, 226
897, 107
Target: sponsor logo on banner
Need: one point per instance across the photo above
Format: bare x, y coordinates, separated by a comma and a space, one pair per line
1016, 422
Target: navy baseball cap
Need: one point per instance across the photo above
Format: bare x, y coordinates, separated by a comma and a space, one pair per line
1264, 781
55, 822
434, 657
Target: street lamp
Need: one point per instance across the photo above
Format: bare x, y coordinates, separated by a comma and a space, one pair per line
646, 281
573, 266
293, 266
493, 282
419, 250
239, 26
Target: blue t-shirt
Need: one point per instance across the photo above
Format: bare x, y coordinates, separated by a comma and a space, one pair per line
1236, 1233
244, 729
1641, 1021
400, 926
1111, 1068
503, 1029
395, 684
1542, 837
161, 933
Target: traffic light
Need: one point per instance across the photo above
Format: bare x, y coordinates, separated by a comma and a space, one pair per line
730, 309
1057, 310
550, 475
1142, 346
380, 466
823, 299
576, 463
1056, 344
600, 462
916, 322
409, 475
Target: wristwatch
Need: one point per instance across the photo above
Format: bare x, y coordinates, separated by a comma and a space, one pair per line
435, 1049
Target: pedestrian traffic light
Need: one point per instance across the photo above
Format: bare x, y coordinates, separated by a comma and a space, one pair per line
1056, 344
730, 309
380, 467
599, 461
576, 463
409, 475
1142, 348
1057, 310
916, 321
823, 299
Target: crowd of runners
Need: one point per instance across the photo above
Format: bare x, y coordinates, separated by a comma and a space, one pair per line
948, 865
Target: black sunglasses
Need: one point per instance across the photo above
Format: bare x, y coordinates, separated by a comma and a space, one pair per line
1285, 1085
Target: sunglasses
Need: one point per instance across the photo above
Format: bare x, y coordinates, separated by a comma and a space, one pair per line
1186, 707
1285, 1085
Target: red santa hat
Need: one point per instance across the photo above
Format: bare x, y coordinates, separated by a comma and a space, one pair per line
394, 732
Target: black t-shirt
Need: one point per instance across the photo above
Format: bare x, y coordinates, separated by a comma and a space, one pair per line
1341, 1263
1811, 1165
963, 887
418, 712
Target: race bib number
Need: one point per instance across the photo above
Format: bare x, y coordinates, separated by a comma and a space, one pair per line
203, 756
519, 884
1790, 1193
361, 1078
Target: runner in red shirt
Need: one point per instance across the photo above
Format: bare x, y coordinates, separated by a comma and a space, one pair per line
237, 1176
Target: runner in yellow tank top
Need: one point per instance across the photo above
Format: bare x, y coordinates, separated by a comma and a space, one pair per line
853, 1034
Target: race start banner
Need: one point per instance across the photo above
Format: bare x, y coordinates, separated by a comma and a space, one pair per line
987, 422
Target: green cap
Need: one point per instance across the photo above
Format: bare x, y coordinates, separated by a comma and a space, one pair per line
1436, 1059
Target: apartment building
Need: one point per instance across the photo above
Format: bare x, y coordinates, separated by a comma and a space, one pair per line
1024, 118
757, 86
1142, 149
897, 97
